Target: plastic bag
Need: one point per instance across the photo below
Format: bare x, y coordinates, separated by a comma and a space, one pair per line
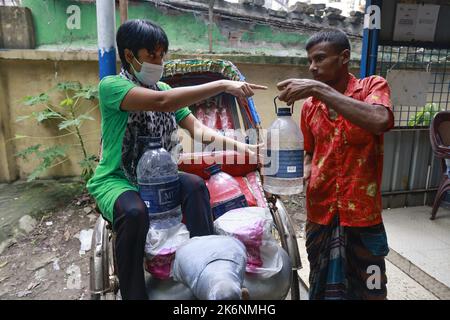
253, 227
160, 249
213, 267
86, 240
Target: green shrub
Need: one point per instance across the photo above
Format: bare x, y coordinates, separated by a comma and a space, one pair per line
68, 117
424, 116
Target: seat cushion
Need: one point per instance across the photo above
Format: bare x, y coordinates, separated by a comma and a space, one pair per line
232, 163
245, 173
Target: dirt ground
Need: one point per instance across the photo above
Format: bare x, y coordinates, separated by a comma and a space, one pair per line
47, 263
295, 206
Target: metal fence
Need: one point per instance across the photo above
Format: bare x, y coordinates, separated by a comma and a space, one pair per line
411, 172
436, 62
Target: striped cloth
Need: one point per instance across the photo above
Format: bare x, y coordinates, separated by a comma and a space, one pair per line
346, 263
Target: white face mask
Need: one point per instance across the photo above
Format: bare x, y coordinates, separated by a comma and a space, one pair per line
150, 73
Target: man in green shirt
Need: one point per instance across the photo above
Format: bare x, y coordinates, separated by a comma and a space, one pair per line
135, 104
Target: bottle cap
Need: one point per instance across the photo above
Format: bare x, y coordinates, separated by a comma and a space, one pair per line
153, 142
213, 169
284, 112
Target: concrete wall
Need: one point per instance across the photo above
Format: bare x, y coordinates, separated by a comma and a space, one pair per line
23, 75
30, 72
50, 21
21, 78
236, 28
16, 28
8, 170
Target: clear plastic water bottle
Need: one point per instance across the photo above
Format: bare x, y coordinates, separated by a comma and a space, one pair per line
283, 166
159, 185
224, 190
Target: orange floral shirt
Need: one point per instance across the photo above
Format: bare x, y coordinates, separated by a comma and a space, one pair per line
347, 162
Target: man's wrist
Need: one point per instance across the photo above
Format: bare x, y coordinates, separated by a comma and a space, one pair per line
321, 91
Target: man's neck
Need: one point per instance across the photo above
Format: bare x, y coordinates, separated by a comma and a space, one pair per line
342, 83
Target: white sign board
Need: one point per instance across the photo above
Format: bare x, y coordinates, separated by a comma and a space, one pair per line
415, 22
408, 87
427, 17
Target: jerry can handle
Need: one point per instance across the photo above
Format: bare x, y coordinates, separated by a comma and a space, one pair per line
276, 107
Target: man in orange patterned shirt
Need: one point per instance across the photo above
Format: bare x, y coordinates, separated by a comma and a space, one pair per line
343, 121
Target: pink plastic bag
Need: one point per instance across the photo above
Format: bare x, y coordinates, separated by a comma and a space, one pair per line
253, 227
160, 249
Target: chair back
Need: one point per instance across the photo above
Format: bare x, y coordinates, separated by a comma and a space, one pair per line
440, 137
440, 134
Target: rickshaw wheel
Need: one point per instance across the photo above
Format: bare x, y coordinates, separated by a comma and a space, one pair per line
284, 226
104, 284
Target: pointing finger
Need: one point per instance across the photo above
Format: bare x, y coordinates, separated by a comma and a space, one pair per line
257, 86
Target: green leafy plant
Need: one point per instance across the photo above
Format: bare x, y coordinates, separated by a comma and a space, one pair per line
68, 116
424, 116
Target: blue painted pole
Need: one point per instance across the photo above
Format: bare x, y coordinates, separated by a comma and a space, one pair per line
364, 54
255, 115
372, 25
373, 52
364, 66
106, 31
375, 38
251, 105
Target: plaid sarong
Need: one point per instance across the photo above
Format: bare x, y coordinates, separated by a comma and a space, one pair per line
347, 263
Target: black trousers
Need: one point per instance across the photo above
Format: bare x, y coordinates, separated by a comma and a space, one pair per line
131, 223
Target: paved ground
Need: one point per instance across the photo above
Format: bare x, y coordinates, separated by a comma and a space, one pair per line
406, 229
425, 242
400, 285
420, 246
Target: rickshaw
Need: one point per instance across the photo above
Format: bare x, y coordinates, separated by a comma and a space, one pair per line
224, 113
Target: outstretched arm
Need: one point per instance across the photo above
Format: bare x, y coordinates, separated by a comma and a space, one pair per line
143, 99
372, 117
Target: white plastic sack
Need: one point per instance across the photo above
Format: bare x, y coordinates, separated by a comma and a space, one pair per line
160, 249
253, 227
212, 267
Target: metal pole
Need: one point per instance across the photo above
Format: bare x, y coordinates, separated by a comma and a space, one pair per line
371, 33
106, 29
373, 52
374, 44
363, 71
123, 7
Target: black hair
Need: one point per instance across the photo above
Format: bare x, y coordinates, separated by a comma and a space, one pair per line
336, 37
140, 34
